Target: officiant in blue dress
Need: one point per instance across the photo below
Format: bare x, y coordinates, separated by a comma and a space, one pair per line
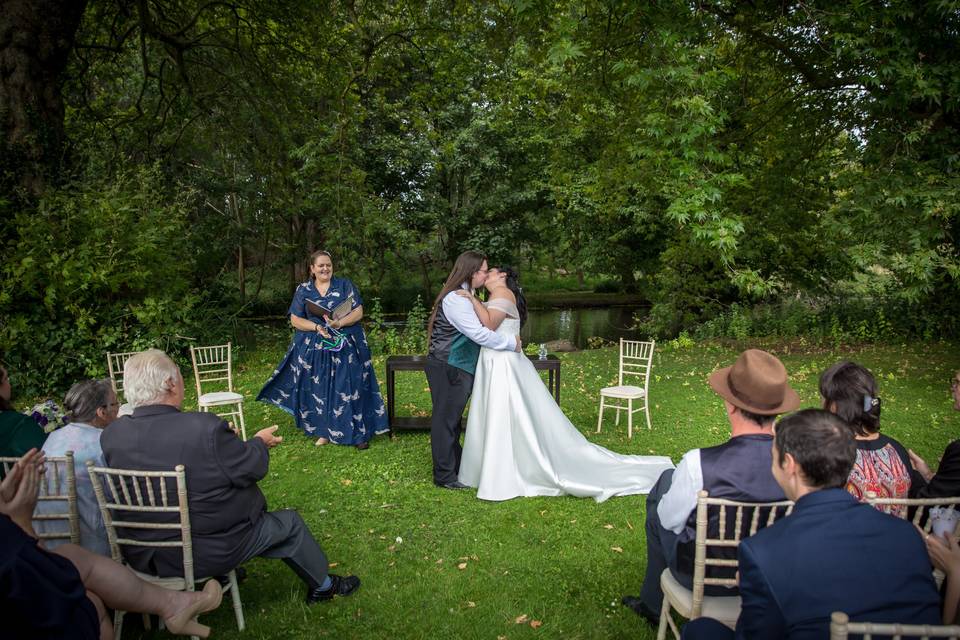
326, 380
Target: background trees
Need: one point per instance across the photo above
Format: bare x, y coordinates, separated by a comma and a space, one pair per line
167, 164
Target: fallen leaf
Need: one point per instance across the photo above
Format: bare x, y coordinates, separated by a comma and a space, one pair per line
462, 566
536, 624
521, 619
608, 526
392, 547
345, 482
617, 549
333, 564
470, 604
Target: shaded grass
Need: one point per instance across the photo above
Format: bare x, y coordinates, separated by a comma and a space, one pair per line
442, 564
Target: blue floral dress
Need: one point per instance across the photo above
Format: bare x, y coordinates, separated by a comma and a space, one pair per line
328, 385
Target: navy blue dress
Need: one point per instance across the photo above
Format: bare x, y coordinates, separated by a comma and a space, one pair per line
328, 385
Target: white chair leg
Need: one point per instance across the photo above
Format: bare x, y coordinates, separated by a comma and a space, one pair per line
243, 428
630, 418
600, 417
664, 614
237, 605
117, 624
617, 421
646, 409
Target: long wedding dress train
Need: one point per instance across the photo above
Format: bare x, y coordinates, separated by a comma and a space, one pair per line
519, 442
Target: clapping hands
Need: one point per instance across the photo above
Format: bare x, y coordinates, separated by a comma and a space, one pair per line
19, 489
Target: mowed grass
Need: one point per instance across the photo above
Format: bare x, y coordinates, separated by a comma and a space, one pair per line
442, 564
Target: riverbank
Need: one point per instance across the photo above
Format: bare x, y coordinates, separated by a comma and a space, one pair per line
580, 299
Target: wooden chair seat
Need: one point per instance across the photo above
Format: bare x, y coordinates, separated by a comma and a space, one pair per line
623, 391
720, 608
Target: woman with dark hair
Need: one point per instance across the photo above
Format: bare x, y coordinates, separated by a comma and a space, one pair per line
326, 379
18, 432
518, 441
883, 465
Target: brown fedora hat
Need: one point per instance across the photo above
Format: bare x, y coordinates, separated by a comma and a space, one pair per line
757, 382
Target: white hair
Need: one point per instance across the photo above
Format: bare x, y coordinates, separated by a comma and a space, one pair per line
148, 377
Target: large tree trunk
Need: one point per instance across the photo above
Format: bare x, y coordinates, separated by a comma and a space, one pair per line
36, 37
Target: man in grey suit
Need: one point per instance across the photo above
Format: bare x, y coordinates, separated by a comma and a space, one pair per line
228, 512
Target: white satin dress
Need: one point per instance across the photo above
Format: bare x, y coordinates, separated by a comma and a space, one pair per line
519, 443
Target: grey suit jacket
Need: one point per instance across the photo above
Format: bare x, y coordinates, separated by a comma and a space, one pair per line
222, 473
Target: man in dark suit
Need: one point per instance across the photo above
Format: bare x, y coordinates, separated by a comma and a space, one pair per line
831, 554
228, 512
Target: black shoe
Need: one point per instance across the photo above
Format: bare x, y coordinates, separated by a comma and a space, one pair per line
341, 586
640, 608
224, 580
456, 484
363, 446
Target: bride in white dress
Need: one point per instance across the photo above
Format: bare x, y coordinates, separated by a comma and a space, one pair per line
518, 441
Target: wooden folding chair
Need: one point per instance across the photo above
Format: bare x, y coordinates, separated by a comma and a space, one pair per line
636, 359
215, 365
115, 363
56, 516
841, 628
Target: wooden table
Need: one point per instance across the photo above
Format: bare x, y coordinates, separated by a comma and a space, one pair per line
418, 363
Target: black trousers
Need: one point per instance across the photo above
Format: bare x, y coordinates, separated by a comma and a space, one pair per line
284, 535
449, 391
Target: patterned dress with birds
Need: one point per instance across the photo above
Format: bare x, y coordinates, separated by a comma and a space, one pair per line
328, 384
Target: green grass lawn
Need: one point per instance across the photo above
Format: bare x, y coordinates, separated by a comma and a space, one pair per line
442, 564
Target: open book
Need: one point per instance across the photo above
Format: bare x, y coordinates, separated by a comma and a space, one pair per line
335, 312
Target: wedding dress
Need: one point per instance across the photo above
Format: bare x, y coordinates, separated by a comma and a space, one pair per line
519, 443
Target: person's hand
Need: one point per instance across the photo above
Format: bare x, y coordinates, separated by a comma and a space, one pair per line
465, 293
519, 345
268, 438
944, 553
920, 465
321, 331
335, 324
19, 490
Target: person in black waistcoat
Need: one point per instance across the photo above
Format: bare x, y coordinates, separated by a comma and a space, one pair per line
228, 512
456, 335
754, 392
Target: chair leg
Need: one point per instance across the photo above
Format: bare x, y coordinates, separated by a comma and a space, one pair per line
664, 614
617, 421
600, 417
243, 428
646, 409
237, 605
117, 624
630, 418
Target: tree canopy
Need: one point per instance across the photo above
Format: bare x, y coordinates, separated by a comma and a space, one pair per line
168, 164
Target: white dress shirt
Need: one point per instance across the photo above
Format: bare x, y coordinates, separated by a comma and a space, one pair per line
459, 312
680, 500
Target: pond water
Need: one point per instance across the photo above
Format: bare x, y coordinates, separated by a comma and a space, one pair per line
575, 324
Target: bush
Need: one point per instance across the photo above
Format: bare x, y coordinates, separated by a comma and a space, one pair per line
388, 340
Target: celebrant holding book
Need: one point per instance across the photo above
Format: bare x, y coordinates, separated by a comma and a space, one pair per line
326, 380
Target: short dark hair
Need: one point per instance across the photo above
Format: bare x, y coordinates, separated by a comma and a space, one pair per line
821, 443
759, 419
847, 385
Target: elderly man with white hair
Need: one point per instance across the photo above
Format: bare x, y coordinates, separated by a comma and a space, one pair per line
228, 512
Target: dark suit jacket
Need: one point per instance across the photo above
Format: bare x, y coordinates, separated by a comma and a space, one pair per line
946, 482
222, 473
833, 554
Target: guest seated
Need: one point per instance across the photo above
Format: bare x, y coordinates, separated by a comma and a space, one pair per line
831, 554
883, 465
18, 433
946, 481
228, 512
92, 405
945, 555
65, 593
754, 391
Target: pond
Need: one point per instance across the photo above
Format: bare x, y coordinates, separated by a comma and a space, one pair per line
575, 324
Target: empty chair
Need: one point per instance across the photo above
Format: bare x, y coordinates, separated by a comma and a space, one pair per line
163, 494
636, 359
212, 367
735, 521
115, 362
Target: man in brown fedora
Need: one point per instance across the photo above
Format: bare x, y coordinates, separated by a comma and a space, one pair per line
754, 392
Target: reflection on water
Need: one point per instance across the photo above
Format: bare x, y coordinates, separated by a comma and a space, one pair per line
576, 325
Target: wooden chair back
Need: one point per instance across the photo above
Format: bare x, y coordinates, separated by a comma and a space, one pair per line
735, 521
211, 365
636, 359
115, 363
919, 506
57, 500
144, 500
841, 628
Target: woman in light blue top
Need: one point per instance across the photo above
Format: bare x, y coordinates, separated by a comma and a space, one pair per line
92, 405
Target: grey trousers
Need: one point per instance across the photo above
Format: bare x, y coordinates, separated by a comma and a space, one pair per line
284, 535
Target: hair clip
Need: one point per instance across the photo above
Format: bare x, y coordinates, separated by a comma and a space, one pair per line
869, 403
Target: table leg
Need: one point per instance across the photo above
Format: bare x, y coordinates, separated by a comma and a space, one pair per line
556, 389
391, 376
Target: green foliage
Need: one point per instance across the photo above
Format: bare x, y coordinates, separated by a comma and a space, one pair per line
99, 266
385, 339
